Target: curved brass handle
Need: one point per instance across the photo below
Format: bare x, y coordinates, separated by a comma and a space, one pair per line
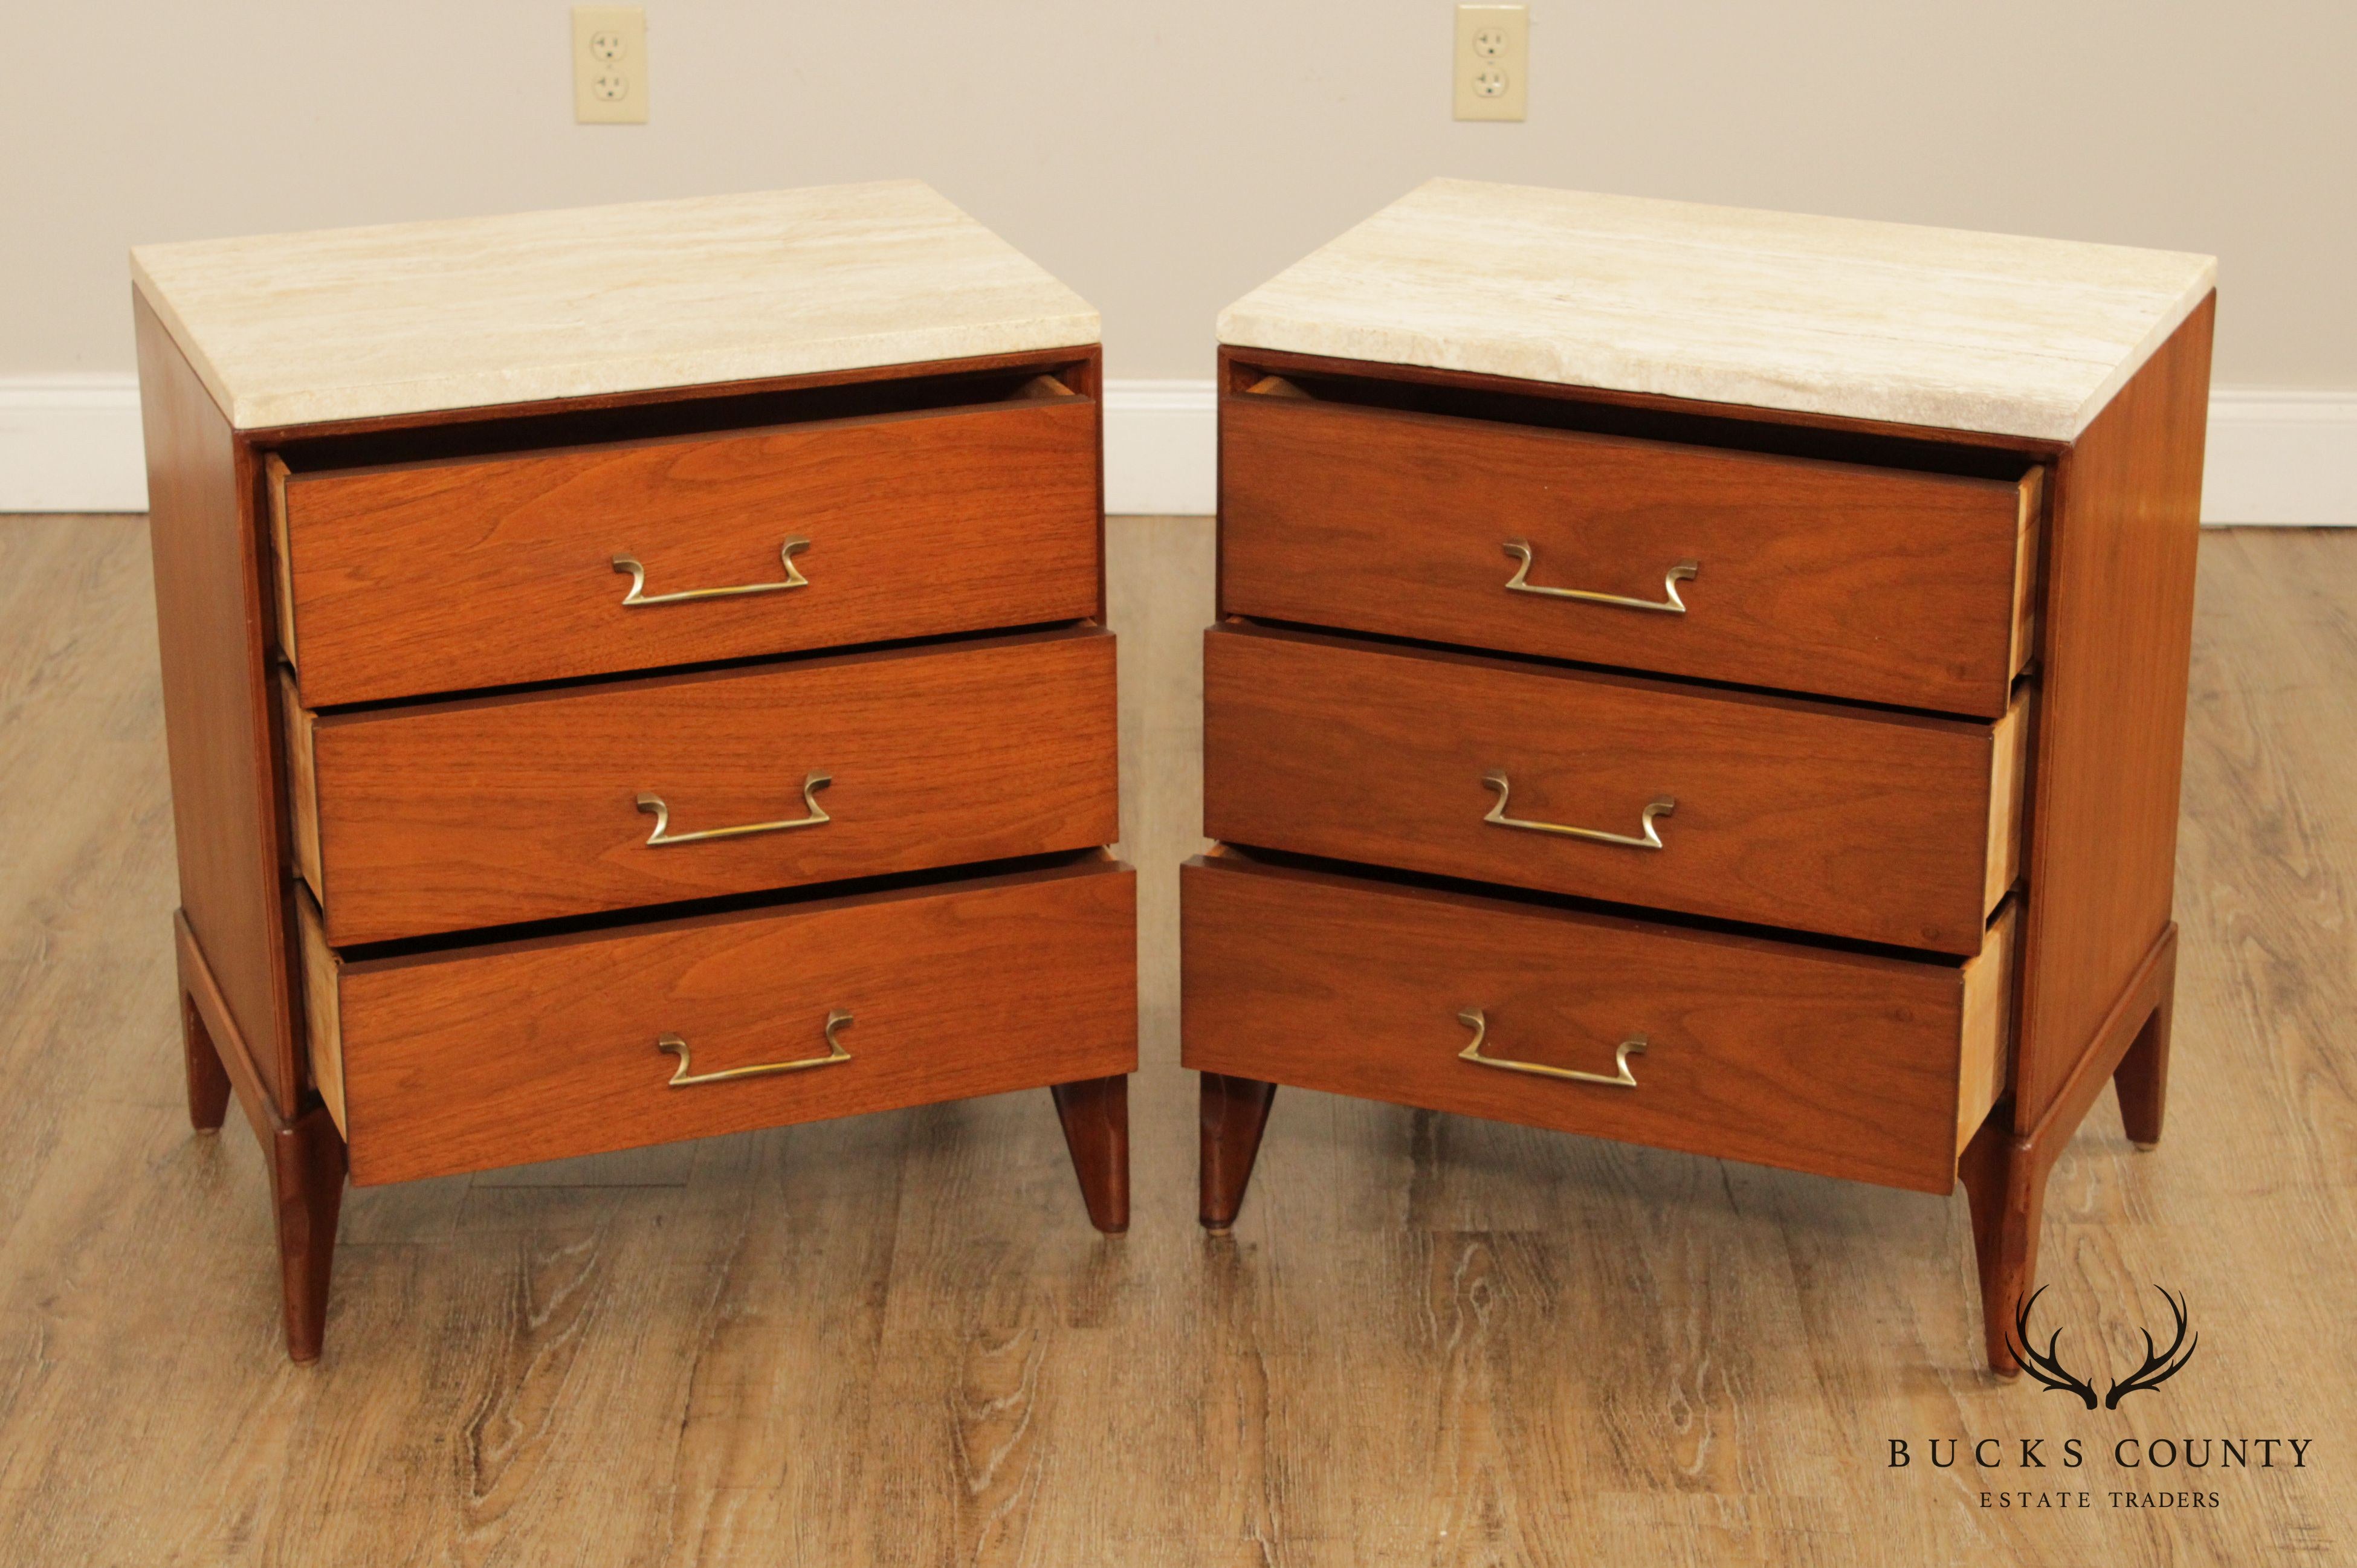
1649, 839
1619, 1077
1684, 571
639, 595
683, 1079
664, 835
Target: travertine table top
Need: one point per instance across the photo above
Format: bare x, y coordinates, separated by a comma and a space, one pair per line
404, 318
1864, 321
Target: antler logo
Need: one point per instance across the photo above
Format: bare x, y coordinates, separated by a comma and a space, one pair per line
2159, 1366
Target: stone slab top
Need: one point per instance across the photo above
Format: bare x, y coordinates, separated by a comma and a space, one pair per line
1938, 327
343, 324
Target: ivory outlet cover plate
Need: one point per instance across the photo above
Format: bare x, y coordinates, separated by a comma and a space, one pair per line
610, 65
1494, 59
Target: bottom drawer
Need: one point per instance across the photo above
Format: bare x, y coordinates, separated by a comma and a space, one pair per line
470, 1058
1814, 1059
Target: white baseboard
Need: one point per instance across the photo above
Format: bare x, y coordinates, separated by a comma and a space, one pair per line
71, 443
2282, 458
1162, 448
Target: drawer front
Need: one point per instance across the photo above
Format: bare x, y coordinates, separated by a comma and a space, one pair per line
441, 575
493, 811
1853, 581
1881, 828
1805, 1057
497, 1055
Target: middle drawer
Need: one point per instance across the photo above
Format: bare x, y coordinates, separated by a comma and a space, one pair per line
1853, 822
489, 811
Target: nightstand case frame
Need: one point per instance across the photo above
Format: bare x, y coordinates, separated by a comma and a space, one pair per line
238, 933
2114, 585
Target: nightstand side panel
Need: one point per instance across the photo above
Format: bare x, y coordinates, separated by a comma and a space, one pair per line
2116, 652
212, 615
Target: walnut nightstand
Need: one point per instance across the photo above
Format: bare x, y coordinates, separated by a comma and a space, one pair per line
1707, 678
632, 674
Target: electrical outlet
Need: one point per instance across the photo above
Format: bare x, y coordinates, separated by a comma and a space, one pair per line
610, 65
1493, 61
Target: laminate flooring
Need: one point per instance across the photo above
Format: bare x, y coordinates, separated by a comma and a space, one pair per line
895, 1339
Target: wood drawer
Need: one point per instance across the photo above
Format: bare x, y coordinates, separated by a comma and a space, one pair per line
1813, 1059
1879, 827
483, 812
486, 1055
477, 572
1878, 585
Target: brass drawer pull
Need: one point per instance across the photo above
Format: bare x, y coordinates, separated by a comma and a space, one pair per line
1684, 571
1619, 1077
664, 835
1649, 839
639, 595
683, 1079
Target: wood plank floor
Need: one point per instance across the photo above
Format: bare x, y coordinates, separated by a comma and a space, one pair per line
896, 1340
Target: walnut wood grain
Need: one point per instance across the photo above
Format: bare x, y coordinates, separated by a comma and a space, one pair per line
208, 1079
486, 811
206, 1018
306, 1196
1809, 1059
1085, 378
1231, 1115
492, 1056
2086, 757
1841, 821
220, 717
1094, 1114
1872, 584
2004, 1167
303, 1155
2141, 1080
2118, 640
499, 570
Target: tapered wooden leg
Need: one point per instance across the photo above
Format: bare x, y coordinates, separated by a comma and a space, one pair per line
2142, 1077
307, 1189
208, 1079
1234, 1112
2005, 1182
304, 1157
1095, 1115
2004, 1167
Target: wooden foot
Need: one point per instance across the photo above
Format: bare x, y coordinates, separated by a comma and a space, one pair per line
307, 1189
2005, 1166
304, 1155
2005, 1182
2142, 1077
208, 1079
1234, 1112
1095, 1113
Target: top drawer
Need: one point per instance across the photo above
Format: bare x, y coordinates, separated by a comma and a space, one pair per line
1875, 585
443, 575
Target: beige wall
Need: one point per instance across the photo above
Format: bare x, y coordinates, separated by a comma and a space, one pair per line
1164, 157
